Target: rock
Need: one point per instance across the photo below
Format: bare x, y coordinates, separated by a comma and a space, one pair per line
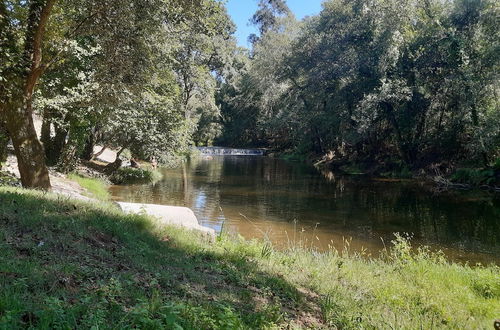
170, 215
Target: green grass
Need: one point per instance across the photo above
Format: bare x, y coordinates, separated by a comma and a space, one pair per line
68, 264
96, 188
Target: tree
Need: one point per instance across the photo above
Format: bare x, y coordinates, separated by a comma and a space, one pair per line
385, 84
266, 18
124, 37
21, 70
4, 140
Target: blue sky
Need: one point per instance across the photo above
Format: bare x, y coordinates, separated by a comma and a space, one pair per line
242, 10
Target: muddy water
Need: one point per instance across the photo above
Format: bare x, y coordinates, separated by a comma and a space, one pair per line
289, 203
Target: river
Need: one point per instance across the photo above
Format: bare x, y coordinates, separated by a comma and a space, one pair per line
290, 203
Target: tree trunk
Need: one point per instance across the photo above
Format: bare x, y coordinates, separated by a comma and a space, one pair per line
88, 149
69, 158
45, 136
4, 141
57, 145
53, 145
28, 149
47, 139
401, 143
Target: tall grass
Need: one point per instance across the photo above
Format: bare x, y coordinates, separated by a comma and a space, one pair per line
405, 288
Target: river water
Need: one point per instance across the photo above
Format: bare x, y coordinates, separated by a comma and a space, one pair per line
290, 203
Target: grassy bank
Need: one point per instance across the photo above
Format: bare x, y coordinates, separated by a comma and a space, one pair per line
96, 188
68, 264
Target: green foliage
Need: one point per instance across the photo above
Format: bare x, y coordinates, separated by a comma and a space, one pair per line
8, 180
474, 176
411, 82
496, 165
95, 187
297, 157
70, 264
141, 76
267, 16
126, 175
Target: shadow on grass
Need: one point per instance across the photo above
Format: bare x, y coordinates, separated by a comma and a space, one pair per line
66, 264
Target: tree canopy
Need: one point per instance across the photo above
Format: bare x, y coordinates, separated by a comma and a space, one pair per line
397, 83
383, 83
139, 75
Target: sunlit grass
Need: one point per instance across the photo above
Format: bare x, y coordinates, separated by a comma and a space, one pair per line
96, 188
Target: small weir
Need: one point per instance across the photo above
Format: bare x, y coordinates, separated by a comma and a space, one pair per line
218, 151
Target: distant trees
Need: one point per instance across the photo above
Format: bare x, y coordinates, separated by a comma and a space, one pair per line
397, 83
267, 16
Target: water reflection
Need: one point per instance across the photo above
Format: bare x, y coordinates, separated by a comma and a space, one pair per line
289, 203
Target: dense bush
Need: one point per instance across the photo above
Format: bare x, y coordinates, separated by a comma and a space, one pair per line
8, 180
126, 175
474, 176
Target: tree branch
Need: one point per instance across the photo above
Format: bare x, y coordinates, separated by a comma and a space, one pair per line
39, 16
68, 35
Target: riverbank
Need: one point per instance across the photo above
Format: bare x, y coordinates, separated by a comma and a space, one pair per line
89, 180
71, 186
74, 264
442, 176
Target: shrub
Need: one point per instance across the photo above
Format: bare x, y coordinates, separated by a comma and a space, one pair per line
496, 164
474, 176
126, 175
7, 179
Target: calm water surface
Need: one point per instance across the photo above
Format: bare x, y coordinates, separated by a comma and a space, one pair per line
290, 203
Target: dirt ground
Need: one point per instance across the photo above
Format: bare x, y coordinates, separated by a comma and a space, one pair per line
60, 183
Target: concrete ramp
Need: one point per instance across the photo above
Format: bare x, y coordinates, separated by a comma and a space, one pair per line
169, 215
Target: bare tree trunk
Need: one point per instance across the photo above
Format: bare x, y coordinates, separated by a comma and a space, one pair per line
88, 149
58, 143
45, 136
68, 160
